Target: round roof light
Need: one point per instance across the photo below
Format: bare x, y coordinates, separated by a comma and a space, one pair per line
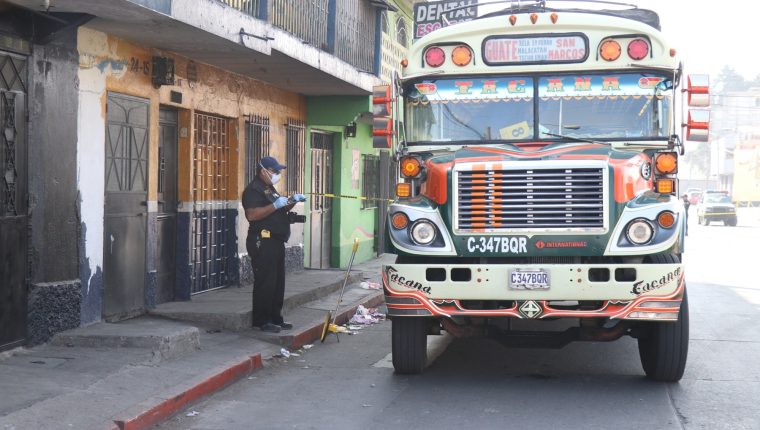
461, 55
434, 56
638, 49
610, 50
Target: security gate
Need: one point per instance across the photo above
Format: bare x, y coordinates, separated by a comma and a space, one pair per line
126, 190
320, 211
166, 219
13, 200
213, 224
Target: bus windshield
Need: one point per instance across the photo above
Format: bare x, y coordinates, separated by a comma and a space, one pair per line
620, 106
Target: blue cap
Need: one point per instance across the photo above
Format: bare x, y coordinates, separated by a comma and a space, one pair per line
271, 163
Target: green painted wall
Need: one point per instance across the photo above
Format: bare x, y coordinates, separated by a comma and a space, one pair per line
349, 221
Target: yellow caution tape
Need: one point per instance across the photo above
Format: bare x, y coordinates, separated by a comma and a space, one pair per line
340, 196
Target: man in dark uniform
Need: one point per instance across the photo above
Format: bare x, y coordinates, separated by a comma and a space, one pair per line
269, 229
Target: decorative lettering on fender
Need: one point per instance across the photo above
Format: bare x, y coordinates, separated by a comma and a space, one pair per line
642, 287
401, 281
498, 245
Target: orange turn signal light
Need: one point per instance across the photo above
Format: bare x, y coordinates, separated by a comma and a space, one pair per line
512, 19
410, 167
610, 50
666, 219
666, 186
399, 220
666, 162
403, 189
461, 55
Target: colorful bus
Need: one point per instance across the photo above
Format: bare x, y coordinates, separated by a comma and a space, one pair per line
538, 151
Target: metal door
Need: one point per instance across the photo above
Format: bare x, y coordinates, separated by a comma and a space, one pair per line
126, 188
213, 225
320, 242
13, 198
166, 219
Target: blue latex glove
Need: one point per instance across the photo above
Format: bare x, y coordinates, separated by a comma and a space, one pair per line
299, 198
280, 202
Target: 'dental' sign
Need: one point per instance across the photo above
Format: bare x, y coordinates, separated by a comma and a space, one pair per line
433, 15
550, 49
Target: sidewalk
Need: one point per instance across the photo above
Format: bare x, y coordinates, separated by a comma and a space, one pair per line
135, 373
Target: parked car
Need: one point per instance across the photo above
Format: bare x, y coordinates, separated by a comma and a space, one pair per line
716, 206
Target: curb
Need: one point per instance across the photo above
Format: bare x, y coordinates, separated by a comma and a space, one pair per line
314, 332
158, 409
152, 413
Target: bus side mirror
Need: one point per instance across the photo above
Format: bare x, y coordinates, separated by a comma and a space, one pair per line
698, 89
698, 125
382, 120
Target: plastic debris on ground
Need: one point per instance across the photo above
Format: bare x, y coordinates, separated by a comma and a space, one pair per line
307, 347
285, 353
369, 285
366, 316
192, 414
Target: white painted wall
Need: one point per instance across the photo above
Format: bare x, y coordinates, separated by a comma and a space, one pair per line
91, 149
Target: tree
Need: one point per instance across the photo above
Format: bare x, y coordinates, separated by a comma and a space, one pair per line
729, 80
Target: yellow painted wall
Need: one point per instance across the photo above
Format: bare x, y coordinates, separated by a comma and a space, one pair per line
126, 68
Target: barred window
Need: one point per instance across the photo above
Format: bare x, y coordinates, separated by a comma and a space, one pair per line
256, 144
370, 176
295, 159
401, 31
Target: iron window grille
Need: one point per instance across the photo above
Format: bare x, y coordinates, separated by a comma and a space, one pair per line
256, 144
370, 180
295, 159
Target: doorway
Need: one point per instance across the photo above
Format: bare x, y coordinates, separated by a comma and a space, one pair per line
13, 197
320, 210
126, 189
166, 219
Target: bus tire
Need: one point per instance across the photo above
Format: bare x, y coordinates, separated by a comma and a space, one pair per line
664, 346
409, 344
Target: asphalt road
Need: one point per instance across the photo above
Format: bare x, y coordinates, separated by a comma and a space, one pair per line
475, 383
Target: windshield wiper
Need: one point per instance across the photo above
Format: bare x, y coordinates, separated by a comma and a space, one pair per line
577, 139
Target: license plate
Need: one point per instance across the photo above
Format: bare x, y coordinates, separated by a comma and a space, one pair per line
529, 280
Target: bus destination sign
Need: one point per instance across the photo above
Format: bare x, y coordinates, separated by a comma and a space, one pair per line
543, 49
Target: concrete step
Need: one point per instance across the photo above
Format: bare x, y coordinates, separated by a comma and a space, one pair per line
165, 339
230, 308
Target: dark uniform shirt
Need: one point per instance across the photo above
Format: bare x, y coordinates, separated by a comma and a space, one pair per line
258, 194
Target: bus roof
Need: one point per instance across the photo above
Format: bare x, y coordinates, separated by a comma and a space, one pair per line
645, 16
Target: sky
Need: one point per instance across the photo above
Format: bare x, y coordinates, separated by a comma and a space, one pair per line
707, 34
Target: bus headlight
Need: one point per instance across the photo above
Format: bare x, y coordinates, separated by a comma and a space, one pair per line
422, 232
639, 232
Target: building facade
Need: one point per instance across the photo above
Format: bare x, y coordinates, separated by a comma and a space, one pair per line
132, 127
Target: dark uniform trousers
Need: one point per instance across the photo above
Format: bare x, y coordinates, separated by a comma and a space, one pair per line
268, 261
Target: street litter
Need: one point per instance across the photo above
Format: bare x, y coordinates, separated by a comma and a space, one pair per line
309, 346
329, 326
295, 354
369, 285
193, 413
285, 353
366, 316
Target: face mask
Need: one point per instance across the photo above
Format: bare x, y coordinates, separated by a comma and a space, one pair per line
274, 177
